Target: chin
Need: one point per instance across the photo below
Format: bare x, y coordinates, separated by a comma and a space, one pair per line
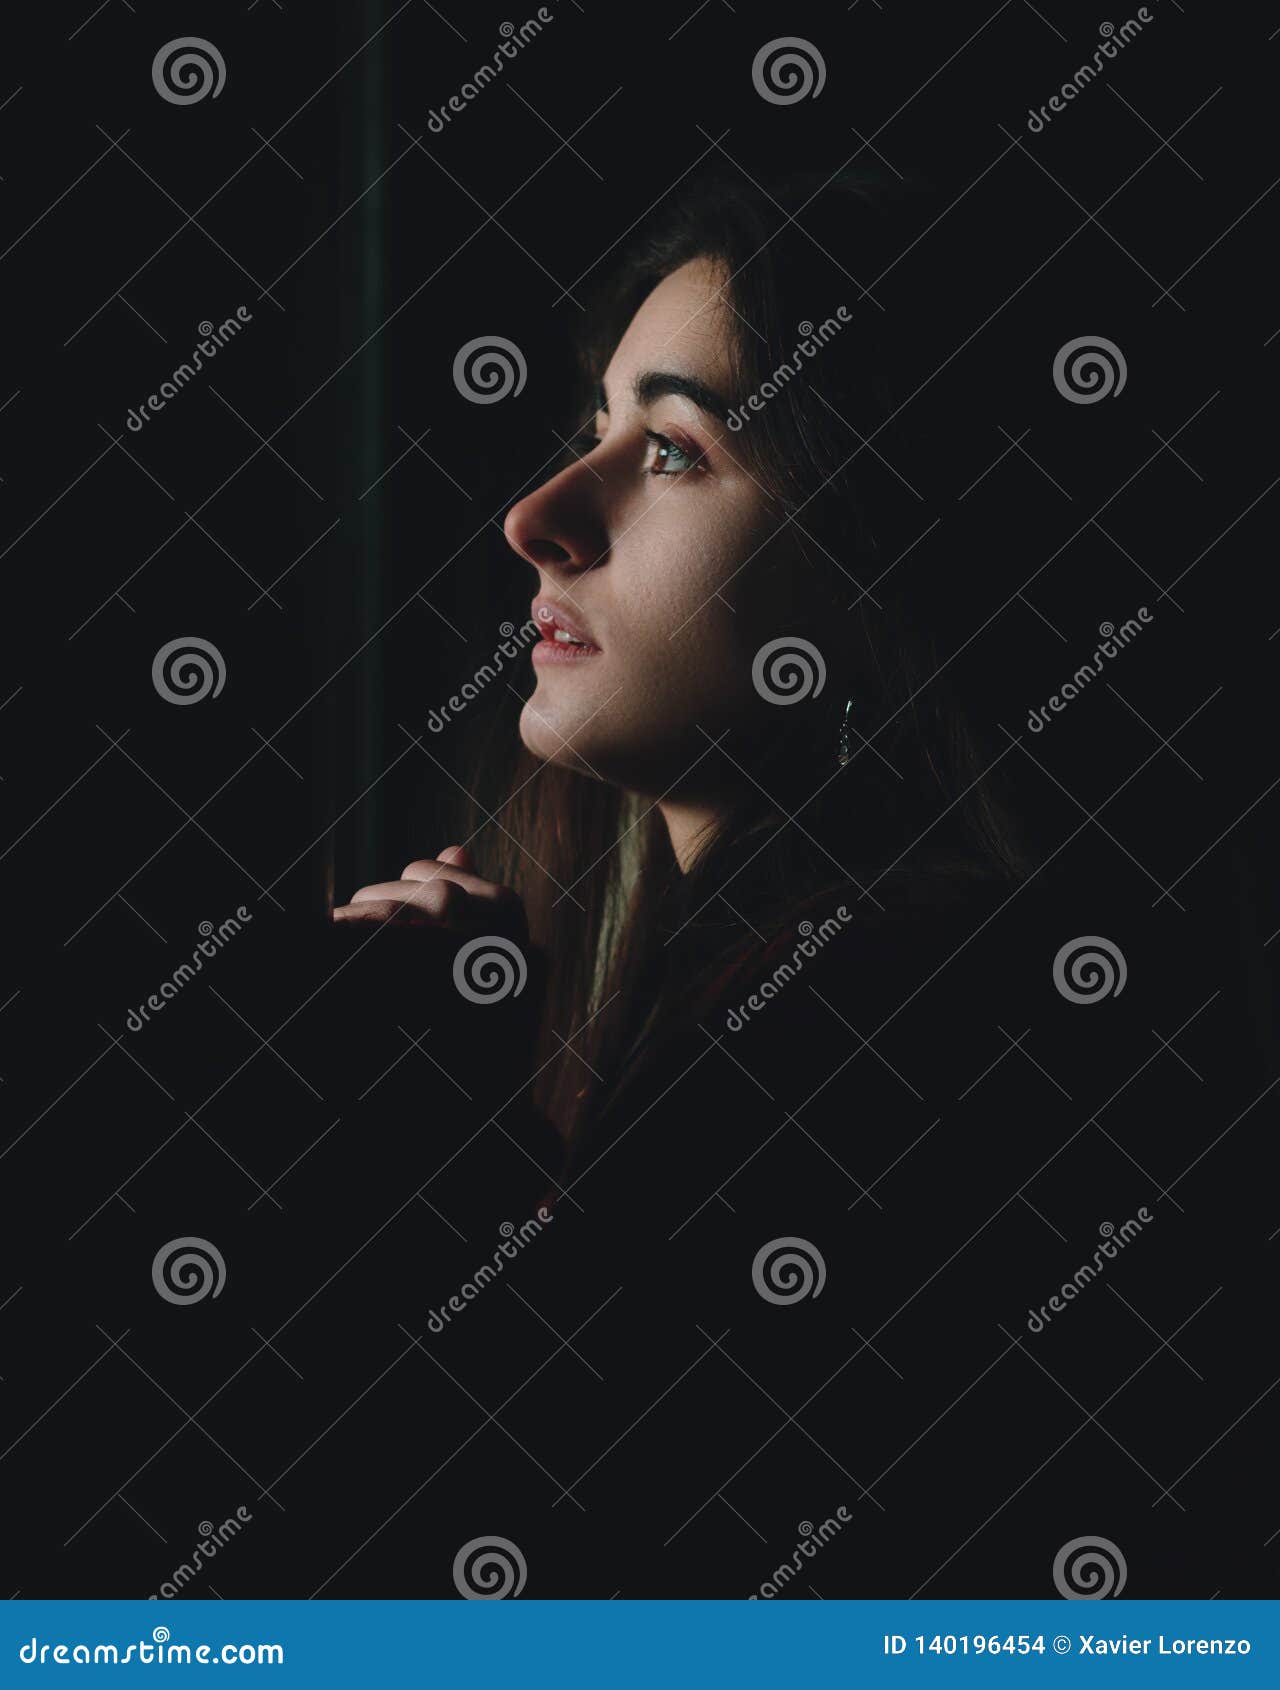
544, 732
595, 756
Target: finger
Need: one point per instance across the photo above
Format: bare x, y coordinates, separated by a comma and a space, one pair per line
373, 914
441, 901
431, 868
458, 855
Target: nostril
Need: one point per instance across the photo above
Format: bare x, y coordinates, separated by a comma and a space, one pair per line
546, 551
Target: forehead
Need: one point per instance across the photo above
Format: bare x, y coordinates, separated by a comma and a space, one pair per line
683, 325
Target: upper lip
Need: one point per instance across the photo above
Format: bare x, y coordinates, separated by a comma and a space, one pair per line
549, 616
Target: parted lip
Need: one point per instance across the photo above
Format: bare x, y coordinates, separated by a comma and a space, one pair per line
549, 616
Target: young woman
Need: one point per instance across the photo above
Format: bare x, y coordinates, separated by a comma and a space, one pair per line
756, 845
740, 704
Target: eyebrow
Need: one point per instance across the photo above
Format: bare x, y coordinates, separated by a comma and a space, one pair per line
652, 385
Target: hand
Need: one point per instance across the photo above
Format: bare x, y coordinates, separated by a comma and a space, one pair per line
442, 892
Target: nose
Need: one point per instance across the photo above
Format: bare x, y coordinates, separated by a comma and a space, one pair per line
560, 526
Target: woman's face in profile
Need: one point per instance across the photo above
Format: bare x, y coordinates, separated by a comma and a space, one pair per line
657, 548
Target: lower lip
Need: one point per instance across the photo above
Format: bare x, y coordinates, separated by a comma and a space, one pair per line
556, 651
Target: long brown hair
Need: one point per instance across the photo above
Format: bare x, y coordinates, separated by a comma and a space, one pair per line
630, 940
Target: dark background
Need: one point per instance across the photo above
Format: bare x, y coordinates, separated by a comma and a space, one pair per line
324, 507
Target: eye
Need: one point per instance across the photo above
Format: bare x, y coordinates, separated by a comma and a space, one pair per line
669, 458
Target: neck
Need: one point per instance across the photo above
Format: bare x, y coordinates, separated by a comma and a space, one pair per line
688, 826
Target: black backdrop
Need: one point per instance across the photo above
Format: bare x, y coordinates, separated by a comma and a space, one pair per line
322, 506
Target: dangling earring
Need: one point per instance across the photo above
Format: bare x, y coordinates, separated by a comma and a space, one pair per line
844, 750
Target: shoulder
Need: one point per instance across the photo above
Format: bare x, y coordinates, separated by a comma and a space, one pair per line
849, 1027
934, 971
858, 947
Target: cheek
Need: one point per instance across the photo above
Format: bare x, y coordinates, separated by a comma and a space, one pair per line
706, 620
683, 594
687, 657
691, 596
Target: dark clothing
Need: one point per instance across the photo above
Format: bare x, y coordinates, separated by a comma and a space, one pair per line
886, 1269
804, 1276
